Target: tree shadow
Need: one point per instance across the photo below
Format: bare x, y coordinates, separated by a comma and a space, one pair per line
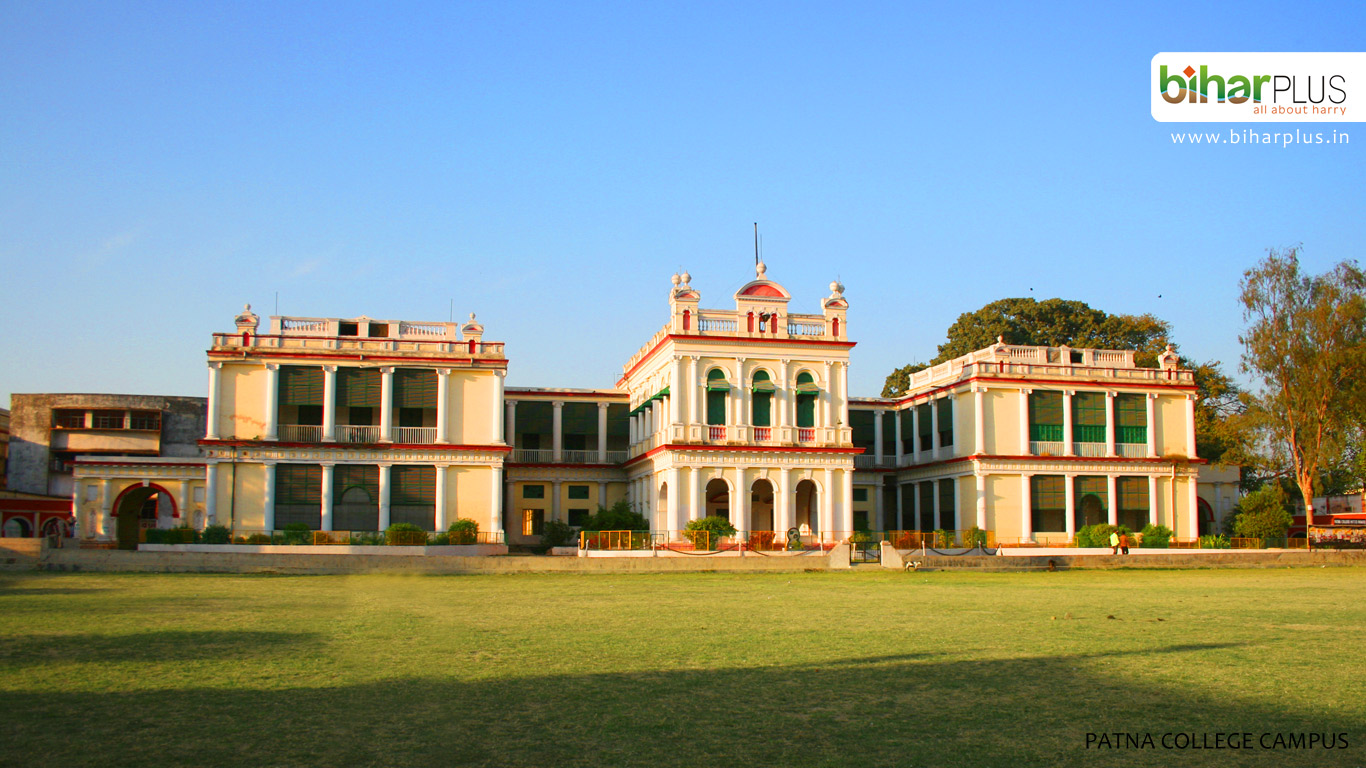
901, 710
168, 646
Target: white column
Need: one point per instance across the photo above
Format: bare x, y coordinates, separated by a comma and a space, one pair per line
439, 513
443, 397
826, 420
699, 415
1026, 508
875, 517
691, 386
900, 508
746, 498
602, 432
981, 501
498, 382
675, 505
556, 487
1024, 422
1069, 504
1109, 423
602, 493
329, 405
938, 519
267, 499
915, 434
915, 505
844, 396
1067, 422
1111, 499
496, 500
557, 431
328, 473
697, 504
510, 425
782, 502
1190, 426
1191, 528
877, 436
847, 489
386, 406
385, 477
676, 391
784, 397
210, 495
979, 419
215, 399
182, 498
737, 480
1153, 516
632, 430
934, 429
272, 402
896, 436
1149, 401
828, 504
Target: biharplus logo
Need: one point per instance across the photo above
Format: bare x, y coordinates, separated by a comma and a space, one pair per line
1257, 87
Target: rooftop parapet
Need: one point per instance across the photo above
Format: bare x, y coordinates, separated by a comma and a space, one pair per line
361, 334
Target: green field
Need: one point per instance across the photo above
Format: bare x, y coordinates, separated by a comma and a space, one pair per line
874, 668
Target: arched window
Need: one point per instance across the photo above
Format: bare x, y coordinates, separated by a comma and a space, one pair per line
687, 319
762, 402
717, 391
751, 322
806, 399
835, 327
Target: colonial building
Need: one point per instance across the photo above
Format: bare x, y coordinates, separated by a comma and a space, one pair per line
743, 412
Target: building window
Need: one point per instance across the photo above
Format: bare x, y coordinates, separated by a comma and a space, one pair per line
309, 415
1091, 497
301, 386
807, 392
948, 504
298, 495
926, 491
410, 417
945, 407
1132, 495
1131, 419
533, 522
577, 517
358, 388
1088, 417
926, 426
348, 329
108, 420
1047, 501
578, 492
68, 419
379, 330
533, 491
860, 494
146, 420
1045, 417
762, 399
718, 389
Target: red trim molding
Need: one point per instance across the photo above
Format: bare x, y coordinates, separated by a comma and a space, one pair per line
244, 354
737, 339
733, 448
366, 446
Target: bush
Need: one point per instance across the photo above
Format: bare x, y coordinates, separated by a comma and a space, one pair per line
1155, 537
182, 535
556, 533
441, 539
1098, 535
297, 533
1215, 542
943, 539
1262, 514
463, 531
975, 537
404, 534
620, 517
714, 526
216, 534
257, 538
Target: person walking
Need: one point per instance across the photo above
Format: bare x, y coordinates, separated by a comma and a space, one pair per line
1114, 543
1123, 543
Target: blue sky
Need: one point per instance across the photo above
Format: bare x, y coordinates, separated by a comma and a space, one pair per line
549, 166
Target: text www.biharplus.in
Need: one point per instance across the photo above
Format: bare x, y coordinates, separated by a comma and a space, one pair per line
1249, 136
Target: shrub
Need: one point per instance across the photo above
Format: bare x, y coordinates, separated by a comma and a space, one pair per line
404, 534
441, 539
556, 533
943, 539
1215, 542
182, 535
619, 517
257, 538
975, 537
1098, 535
216, 534
297, 533
714, 526
1262, 514
463, 531
1155, 537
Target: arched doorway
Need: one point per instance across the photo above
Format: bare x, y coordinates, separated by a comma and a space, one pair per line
662, 521
17, 528
139, 507
717, 499
356, 510
760, 506
805, 516
1206, 516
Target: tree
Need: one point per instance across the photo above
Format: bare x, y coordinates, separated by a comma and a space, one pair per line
1306, 342
899, 381
1262, 514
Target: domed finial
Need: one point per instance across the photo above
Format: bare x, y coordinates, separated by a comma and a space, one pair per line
676, 280
246, 308
471, 317
687, 278
1001, 339
759, 269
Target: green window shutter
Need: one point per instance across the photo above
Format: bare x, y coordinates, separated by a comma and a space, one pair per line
1045, 416
298, 483
1088, 417
1131, 419
413, 486
806, 384
578, 491
763, 408
533, 491
806, 410
347, 476
945, 407
301, 386
716, 407
1132, 493
358, 388
922, 412
860, 494
716, 381
1047, 492
414, 388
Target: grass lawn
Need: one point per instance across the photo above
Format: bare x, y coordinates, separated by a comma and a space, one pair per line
873, 668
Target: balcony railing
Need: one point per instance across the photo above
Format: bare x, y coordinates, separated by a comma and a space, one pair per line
616, 457
1045, 447
533, 455
806, 434
763, 434
348, 433
1132, 450
1089, 449
579, 457
301, 433
415, 435
716, 433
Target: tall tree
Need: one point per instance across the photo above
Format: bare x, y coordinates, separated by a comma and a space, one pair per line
1306, 342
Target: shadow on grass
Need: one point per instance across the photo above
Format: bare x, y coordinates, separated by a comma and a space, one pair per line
168, 646
887, 711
